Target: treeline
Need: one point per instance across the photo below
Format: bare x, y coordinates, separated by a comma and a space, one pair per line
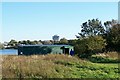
13, 44
96, 37
93, 38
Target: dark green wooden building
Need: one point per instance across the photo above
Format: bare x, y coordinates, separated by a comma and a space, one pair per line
44, 49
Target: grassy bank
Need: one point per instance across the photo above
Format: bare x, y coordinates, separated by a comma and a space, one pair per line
109, 57
55, 66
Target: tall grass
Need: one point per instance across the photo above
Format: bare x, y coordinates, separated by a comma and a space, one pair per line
109, 57
54, 66
113, 55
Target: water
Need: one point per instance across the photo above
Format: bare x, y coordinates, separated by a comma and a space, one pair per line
9, 52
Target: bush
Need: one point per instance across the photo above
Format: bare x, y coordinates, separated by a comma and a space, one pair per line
87, 46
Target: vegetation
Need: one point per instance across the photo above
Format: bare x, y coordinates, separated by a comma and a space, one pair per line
1, 46
63, 41
95, 38
13, 44
55, 66
91, 28
109, 57
92, 57
88, 46
113, 38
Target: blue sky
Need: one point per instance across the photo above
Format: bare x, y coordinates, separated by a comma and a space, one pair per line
41, 20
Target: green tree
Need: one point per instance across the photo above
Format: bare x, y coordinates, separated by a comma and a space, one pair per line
81, 47
90, 40
109, 24
47, 42
1, 46
72, 42
87, 46
63, 41
28, 42
113, 38
23, 42
34, 42
13, 43
19, 42
96, 43
91, 28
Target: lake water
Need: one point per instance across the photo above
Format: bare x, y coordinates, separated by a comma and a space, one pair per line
9, 52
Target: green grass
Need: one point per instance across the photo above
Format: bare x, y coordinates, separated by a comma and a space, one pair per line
55, 66
109, 57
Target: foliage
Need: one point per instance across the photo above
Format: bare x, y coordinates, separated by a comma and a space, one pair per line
12, 43
109, 24
88, 46
91, 32
81, 47
91, 28
1, 46
28, 42
96, 43
47, 42
63, 41
109, 57
90, 40
72, 42
113, 38
99, 59
55, 66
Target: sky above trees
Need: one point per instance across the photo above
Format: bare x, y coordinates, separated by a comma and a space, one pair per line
42, 20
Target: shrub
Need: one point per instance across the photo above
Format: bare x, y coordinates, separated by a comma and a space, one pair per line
87, 46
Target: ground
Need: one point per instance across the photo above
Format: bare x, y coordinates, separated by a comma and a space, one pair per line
55, 66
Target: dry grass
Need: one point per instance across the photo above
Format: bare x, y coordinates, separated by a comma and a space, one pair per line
113, 55
34, 66
53, 66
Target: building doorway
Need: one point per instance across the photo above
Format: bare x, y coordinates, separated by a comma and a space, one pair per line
65, 50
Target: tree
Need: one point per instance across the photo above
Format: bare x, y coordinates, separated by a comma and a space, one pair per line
72, 42
91, 28
109, 24
96, 43
13, 43
39, 42
47, 42
5, 44
63, 41
87, 46
112, 35
81, 47
28, 42
19, 42
115, 34
1, 46
35, 42
90, 40
113, 38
